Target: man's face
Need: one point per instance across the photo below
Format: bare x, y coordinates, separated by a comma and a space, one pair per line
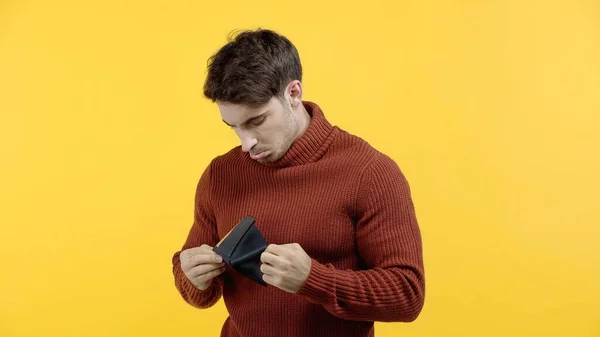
266, 132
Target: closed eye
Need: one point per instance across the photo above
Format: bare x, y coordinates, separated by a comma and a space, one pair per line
258, 121
252, 122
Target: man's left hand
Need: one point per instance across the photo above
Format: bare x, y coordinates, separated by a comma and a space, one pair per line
285, 266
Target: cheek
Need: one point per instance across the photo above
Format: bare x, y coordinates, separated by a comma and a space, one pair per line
273, 136
277, 139
277, 136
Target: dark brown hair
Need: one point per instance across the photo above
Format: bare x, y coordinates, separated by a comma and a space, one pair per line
253, 67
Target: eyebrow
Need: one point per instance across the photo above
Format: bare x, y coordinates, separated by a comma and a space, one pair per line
249, 119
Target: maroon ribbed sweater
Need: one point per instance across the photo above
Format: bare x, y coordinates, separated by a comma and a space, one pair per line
346, 204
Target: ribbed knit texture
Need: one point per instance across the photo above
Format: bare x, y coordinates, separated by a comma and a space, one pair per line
346, 204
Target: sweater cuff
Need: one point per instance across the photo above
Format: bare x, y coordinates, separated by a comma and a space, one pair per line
191, 290
320, 284
197, 297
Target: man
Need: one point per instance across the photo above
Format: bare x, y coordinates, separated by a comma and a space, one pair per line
344, 245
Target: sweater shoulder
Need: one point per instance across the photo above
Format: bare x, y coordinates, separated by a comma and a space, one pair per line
362, 157
226, 159
353, 148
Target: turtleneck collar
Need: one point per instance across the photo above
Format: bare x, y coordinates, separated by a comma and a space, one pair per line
311, 145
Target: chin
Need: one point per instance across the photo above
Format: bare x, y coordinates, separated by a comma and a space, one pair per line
271, 158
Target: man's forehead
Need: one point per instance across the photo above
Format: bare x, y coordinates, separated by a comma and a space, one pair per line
238, 114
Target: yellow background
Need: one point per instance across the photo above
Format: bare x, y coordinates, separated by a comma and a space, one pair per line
491, 108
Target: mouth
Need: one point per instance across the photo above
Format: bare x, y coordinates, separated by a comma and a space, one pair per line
259, 155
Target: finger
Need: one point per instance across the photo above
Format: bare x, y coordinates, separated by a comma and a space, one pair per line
202, 258
275, 249
210, 275
198, 250
267, 269
272, 280
204, 249
204, 269
269, 258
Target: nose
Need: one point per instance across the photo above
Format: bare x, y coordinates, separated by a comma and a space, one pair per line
248, 140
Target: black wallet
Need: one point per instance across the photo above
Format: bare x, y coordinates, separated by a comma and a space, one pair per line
241, 249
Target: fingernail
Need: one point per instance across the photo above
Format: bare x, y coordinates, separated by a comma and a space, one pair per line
219, 259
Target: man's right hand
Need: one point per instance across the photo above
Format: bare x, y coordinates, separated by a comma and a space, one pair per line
201, 265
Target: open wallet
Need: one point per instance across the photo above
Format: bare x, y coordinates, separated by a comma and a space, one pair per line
241, 249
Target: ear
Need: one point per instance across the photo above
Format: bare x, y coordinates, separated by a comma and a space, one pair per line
294, 91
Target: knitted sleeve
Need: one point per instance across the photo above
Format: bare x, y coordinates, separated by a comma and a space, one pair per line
389, 240
203, 231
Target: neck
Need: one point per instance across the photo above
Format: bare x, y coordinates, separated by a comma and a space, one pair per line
303, 121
